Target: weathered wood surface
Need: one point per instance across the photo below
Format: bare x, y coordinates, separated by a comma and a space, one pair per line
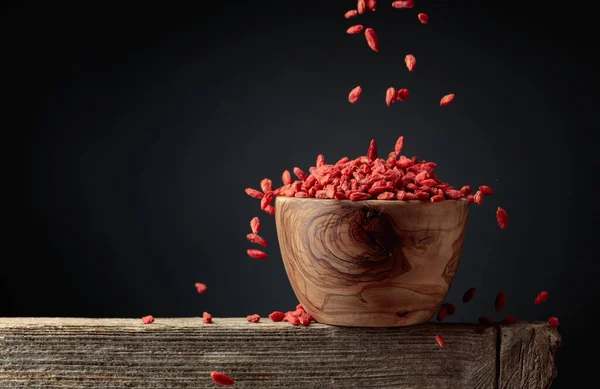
370, 263
181, 353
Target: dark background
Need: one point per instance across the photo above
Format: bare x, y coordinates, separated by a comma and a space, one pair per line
132, 133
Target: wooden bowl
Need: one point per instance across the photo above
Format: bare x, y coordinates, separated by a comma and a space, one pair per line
370, 263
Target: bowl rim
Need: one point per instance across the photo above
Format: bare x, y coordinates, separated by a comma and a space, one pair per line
371, 201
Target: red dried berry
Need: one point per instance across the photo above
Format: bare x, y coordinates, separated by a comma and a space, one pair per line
500, 301
253, 318
509, 320
470, 199
357, 196
423, 18
257, 254
148, 319
207, 318
486, 190
553, 321
355, 29
361, 6
266, 200
478, 198
371, 5
277, 316
466, 190
451, 308
469, 295
440, 341
485, 320
411, 62
255, 225
354, 95
443, 311
386, 196
200, 287
502, 218
254, 193
446, 100
286, 177
372, 40
270, 210
402, 94
350, 14
399, 145
437, 198
372, 152
390, 96
266, 185
403, 4
541, 297
304, 320
299, 306
221, 378
254, 238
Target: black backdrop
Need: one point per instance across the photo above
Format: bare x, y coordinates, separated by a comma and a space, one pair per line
132, 133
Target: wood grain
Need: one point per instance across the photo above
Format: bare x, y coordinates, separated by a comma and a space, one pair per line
370, 263
181, 353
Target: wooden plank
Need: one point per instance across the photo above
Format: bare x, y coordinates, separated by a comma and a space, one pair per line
181, 353
527, 356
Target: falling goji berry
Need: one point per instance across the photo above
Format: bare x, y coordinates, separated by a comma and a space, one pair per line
541, 297
254, 193
354, 95
402, 94
442, 312
469, 295
361, 6
200, 287
254, 238
451, 308
286, 177
500, 301
253, 318
372, 152
221, 378
403, 4
446, 100
355, 29
207, 318
257, 254
553, 321
148, 319
502, 218
423, 18
371, 5
390, 96
440, 341
372, 39
410, 61
486, 190
266, 200
399, 145
478, 198
270, 210
266, 185
255, 225
350, 14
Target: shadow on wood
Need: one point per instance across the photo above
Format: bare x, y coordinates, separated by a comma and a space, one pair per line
181, 353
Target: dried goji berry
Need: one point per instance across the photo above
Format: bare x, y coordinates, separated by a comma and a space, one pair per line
469, 295
359, 196
277, 316
411, 62
372, 39
486, 190
386, 196
437, 198
470, 198
390, 96
221, 378
301, 195
254, 193
399, 145
502, 218
304, 320
148, 319
355, 29
286, 177
440, 340
266, 185
253, 318
270, 210
447, 100
553, 321
254, 238
300, 174
354, 95
423, 18
206, 318
361, 6
372, 152
466, 190
500, 301
403, 4
257, 254
451, 308
371, 4
442, 312
478, 198
255, 225
266, 200
402, 94
200, 287
350, 14
541, 297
